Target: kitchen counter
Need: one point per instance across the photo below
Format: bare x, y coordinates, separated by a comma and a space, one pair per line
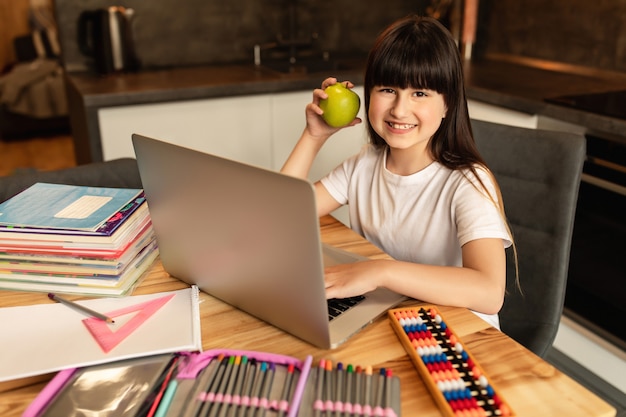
515, 84
523, 84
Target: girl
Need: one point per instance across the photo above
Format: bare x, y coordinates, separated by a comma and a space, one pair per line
419, 190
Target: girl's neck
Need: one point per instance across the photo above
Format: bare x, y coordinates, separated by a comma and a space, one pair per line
407, 161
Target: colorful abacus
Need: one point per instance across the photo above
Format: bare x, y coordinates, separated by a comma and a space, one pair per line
453, 377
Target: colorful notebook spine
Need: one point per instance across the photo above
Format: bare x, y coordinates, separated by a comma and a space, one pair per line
454, 378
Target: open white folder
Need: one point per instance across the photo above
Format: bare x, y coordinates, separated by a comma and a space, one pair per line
48, 337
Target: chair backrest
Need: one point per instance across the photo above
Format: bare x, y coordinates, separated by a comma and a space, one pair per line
539, 174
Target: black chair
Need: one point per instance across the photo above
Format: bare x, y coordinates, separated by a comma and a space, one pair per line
539, 174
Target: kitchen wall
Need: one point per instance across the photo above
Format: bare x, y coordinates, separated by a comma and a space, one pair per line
188, 32
579, 32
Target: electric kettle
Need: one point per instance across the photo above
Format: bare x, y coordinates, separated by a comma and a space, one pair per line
106, 36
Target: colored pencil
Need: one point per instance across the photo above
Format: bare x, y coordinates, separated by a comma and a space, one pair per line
164, 385
230, 374
237, 389
218, 376
266, 389
284, 396
205, 380
349, 396
328, 384
380, 386
356, 404
255, 391
339, 390
367, 405
388, 381
247, 387
320, 387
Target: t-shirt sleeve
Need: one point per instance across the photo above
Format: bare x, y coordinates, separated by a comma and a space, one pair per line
476, 215
337, 181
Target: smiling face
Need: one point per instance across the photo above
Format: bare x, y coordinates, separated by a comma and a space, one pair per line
405, 118
413, 79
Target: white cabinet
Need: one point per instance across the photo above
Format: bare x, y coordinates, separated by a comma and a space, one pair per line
256, 129
233, 127
288, 121
489, 113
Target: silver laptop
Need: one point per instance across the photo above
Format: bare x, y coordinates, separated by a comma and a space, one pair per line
250, 237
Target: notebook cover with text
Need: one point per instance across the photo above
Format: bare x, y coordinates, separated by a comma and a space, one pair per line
111, 227
60, 206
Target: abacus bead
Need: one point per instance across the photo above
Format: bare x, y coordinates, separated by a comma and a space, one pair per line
468, 394
461, 384
504, 410
454, 405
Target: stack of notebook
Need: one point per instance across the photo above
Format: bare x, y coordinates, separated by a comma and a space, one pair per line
75, 239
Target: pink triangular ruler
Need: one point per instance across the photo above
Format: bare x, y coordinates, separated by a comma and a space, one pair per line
107, 338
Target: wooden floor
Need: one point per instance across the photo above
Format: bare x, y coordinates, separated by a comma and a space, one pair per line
38, 153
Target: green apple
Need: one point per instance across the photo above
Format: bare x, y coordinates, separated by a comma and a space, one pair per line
341, 106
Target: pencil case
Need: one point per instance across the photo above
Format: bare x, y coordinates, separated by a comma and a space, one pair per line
220, 382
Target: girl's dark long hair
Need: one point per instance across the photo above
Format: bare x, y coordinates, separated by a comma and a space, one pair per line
419, 52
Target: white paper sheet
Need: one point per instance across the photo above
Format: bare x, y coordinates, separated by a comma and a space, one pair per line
49, 337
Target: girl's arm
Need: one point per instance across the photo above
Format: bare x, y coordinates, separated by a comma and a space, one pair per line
478, 285
315, 134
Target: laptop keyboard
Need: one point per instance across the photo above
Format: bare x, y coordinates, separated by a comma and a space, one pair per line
338, 306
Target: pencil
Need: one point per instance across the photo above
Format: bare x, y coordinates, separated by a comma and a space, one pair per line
242, 408
367, 405
266, 390
286, 390
320, 388
328, 384
356, 404
339, 390
80, 308
349, 397
236, 392
388, 380
378, 402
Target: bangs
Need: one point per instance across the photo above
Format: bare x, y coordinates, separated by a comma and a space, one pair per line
406, 60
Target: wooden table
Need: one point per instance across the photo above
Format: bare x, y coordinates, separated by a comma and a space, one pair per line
531, 386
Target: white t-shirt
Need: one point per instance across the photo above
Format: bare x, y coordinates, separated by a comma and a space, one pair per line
425, 217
